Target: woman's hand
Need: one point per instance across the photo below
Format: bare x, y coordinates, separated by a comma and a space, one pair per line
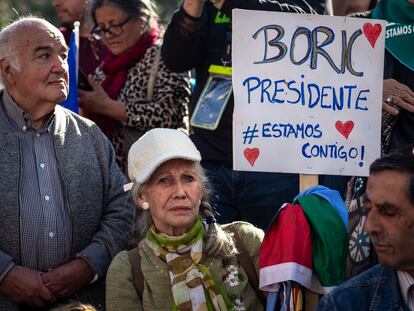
195, 7
97, 101
396, 96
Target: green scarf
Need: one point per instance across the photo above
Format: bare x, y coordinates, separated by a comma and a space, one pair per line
399, 38
193, 287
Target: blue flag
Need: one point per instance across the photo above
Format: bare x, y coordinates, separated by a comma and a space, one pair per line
71, 101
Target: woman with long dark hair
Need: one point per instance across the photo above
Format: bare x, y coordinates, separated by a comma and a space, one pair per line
133, 91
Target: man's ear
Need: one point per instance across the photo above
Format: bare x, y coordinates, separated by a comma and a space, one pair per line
7, 71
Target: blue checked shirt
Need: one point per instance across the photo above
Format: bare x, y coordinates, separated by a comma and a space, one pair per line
45, 226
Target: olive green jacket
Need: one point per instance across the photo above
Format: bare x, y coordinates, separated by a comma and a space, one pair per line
157, 295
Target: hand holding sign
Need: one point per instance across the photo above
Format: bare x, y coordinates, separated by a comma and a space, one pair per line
400, 95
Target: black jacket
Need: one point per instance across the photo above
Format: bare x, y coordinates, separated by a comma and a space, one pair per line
196, 43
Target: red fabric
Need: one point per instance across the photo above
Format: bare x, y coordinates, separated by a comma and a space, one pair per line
116, 69
287, 240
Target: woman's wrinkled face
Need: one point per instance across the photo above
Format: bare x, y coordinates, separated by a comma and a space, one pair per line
121, 31
173, 193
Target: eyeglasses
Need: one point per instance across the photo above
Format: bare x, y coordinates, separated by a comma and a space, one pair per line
114, 30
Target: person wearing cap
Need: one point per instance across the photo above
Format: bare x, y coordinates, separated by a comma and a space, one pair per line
188, 261
199, 36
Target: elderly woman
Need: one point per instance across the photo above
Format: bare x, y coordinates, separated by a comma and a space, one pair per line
132, 91
188, 262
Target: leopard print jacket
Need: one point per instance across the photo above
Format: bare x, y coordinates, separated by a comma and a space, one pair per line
171, 95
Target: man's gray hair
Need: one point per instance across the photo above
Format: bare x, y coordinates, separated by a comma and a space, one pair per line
8, 39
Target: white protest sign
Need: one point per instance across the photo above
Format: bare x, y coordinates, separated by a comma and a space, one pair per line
307, 92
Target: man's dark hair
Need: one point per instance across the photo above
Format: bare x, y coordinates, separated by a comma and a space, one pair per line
401, 160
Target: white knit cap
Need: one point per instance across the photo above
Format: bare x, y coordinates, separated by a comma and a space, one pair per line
156, 147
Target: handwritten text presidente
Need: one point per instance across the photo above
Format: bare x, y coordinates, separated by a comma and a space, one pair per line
302, 92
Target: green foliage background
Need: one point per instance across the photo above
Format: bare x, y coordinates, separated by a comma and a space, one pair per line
11, 9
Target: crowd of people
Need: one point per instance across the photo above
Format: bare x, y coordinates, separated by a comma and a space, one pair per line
186, 232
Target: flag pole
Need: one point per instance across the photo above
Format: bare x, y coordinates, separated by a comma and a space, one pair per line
71, 101
76, 26
311, 298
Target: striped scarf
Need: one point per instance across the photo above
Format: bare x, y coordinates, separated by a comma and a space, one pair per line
193, 287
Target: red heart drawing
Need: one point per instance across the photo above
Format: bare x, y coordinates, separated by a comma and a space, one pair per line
251, 155
372, 32
344, 128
